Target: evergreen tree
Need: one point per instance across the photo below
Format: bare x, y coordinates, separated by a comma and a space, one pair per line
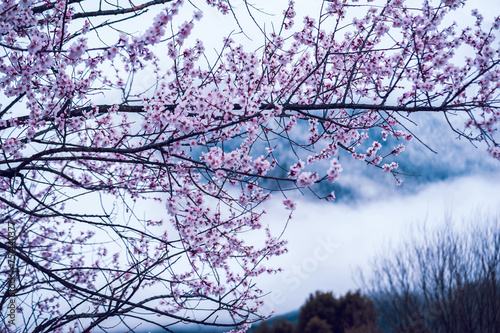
283, 326
317, 325
321, 305
349, 314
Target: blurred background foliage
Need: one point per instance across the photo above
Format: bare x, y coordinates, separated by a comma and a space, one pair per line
440, 279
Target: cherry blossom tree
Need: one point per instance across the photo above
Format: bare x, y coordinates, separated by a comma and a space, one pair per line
200, 144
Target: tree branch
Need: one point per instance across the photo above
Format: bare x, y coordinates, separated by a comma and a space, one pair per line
120, 11
103, 109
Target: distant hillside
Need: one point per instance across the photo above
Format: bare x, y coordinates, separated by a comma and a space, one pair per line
290, 316
187, 329
439, 156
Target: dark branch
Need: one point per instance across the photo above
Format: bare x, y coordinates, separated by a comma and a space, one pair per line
103, 109
43, 8
120, 11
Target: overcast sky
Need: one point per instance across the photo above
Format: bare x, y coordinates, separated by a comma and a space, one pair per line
328, 241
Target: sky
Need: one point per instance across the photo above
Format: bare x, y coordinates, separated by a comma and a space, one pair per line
329, 242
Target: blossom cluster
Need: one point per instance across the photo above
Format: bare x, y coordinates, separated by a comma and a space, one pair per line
204, 142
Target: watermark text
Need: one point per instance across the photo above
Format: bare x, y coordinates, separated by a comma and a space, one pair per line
11, 307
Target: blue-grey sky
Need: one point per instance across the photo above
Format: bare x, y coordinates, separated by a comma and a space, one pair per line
329, 241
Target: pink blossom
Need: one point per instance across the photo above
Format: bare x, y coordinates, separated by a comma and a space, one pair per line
150, 120
307, 178
77, 49
390, 167
289, 204
398, 150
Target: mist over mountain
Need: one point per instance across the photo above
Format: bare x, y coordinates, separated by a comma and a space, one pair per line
436, 154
